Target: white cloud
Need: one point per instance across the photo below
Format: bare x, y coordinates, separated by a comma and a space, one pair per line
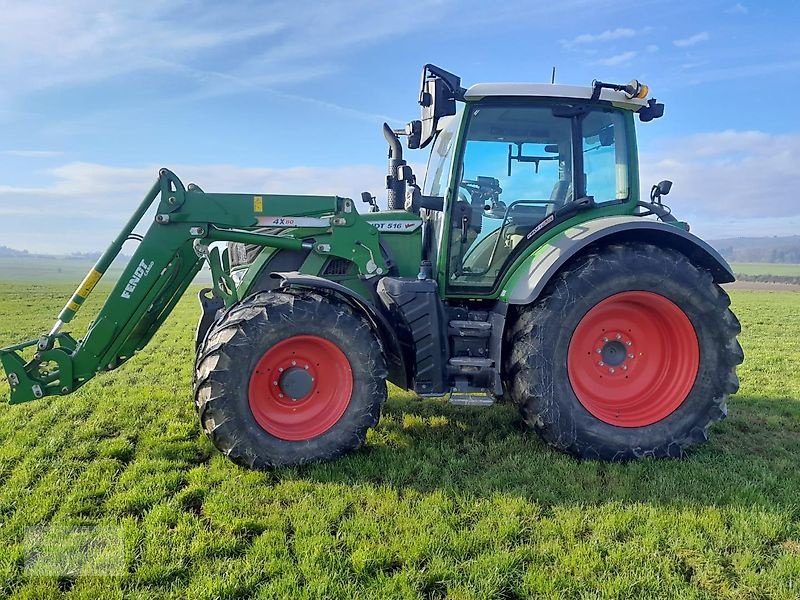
618, 59
735, 179
688, 66
737, 9
97, 199
201, 45
88, 186
692, 40
740, 71
652, 48
32, 153
604, 36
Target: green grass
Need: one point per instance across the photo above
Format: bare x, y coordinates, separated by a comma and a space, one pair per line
442, 502
781, 269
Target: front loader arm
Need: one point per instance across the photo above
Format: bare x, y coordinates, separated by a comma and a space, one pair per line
166, 261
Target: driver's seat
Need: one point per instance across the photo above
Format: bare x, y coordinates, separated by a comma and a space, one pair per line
562, 190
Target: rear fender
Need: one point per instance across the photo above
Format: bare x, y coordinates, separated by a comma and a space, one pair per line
530, 278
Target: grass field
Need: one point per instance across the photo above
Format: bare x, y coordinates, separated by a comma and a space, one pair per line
780, 269
442, 502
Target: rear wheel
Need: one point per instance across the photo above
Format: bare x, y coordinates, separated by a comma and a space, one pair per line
284, 379
630, 352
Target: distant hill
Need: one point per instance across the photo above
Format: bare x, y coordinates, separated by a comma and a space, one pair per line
784, 249
51, 269
22, 266
92, 256
6, 251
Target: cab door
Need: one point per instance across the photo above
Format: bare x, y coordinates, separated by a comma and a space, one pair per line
517, 167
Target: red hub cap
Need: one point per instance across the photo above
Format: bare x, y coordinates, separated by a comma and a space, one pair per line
633, 359
300, 387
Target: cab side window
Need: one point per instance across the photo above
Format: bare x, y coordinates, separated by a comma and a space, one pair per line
605, 156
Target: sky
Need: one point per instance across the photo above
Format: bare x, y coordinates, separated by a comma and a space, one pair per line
290, 97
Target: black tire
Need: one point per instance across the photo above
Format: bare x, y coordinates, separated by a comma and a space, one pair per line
539, 340
240, 338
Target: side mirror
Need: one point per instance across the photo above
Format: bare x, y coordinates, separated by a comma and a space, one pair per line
370, 199
414, 133
662, 188
439, 91
653, 110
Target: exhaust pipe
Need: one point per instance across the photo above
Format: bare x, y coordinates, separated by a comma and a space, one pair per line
395, 185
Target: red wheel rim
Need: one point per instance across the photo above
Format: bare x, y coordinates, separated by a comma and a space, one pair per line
633, 359
314, 370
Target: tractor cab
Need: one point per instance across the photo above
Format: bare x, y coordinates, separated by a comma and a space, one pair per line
510, 160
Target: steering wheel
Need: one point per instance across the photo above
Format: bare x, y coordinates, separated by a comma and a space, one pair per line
482, 191
486, 185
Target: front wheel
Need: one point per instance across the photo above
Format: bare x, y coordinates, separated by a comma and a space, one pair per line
284, 379
631, 352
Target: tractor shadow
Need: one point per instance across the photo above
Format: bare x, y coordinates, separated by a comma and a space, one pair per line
428, 445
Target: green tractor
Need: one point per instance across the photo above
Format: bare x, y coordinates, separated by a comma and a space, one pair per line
525, 267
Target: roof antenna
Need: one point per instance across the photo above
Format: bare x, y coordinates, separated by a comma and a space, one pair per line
553, 76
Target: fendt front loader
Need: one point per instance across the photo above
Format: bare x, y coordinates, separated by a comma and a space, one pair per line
526, 267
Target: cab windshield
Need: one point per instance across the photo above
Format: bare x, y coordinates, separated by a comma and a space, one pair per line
517, 169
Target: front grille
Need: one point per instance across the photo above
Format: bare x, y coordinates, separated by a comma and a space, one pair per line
337, 266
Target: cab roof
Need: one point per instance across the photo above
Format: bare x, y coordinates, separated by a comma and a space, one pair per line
550, 90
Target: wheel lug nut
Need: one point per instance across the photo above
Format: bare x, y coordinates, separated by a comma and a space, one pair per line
611, 371
602, 364
280, 370
306, 367
605, 339
294, 363
624, 367
619, 337
630, 355
628, 343
599, 350
274, 383
280, 395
